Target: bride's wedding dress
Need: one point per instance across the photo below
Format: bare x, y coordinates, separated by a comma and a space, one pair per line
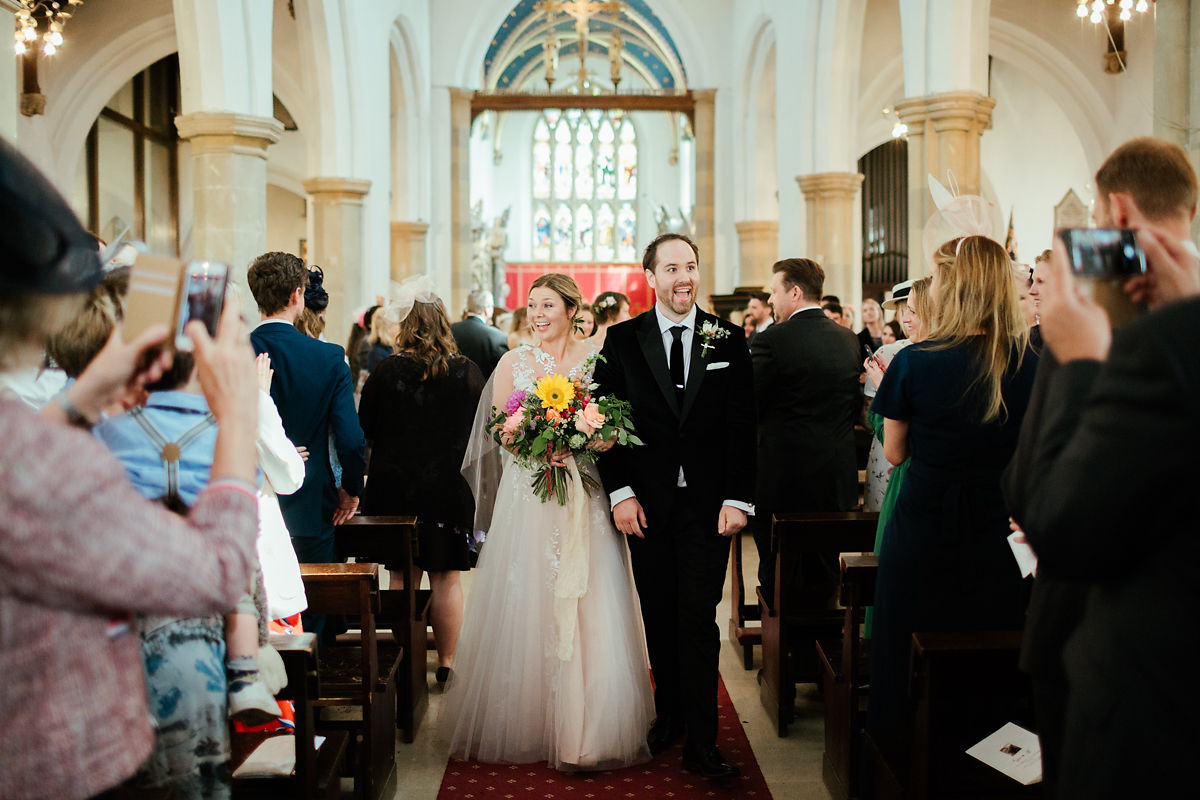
517, 696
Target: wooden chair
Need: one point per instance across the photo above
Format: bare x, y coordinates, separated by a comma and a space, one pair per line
353, 674
741, 612
317, 769
845, 670
404, 610
798, 616
966, 686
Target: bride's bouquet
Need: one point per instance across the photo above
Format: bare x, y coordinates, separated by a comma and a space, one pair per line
559, 415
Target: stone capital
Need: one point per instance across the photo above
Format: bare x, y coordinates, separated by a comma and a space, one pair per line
966, 111
704, 96
410, 228
11, 6
829, 185
756, 227
349, 190
228, 132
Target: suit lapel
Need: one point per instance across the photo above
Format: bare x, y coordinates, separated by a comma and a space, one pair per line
697, 366
650, 338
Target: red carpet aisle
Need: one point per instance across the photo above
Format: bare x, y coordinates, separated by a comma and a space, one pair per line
661, 778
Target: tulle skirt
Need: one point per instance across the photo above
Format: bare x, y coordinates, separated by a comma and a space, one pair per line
512, 699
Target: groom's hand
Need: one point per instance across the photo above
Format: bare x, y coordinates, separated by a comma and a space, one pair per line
629, 517
731, 520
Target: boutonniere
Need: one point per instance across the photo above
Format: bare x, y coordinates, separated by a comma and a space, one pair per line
708, 332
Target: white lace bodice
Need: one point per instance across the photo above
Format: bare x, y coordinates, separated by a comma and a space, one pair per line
533, 363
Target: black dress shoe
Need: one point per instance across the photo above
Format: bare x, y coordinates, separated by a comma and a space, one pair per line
709, 763
663, 733
443, 674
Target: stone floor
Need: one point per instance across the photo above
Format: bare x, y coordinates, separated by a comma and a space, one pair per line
791, 766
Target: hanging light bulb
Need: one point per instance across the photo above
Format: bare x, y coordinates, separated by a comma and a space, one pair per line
1096, 17
1081, 10
49, 49
19, 47
55, 38
1142, 7
1125, 15
899, 130
29, 32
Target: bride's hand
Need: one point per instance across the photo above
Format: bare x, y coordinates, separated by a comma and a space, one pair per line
558, 458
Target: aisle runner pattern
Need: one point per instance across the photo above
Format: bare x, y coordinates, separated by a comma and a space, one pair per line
663, 777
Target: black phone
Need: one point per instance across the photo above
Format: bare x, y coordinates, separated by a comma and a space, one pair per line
201, 297
1104, 252
1102, 260
870, 353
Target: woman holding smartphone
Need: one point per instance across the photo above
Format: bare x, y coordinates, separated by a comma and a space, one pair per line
954, 403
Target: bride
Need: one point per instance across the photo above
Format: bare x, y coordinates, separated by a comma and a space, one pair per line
528, 687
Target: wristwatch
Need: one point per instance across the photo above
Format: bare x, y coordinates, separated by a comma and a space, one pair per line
74, 415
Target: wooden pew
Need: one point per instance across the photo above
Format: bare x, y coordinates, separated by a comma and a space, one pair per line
966, 686
741, 613
353, 674
317, 769
845, 670
798, 616
405, 609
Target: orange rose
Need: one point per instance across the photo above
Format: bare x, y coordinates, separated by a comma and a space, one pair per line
589, 420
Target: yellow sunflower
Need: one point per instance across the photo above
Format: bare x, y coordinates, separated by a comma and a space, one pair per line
555, 392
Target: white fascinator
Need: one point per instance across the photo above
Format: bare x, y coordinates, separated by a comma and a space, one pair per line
413, 289
958, 215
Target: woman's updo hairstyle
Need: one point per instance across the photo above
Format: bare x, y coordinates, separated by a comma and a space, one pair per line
607, 306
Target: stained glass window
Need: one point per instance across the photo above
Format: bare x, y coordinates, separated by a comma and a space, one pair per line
585, 168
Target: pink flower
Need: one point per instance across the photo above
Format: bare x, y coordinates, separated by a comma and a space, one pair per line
515, 420
514, 401
589, 420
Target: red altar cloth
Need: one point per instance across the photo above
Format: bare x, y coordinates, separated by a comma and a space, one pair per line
592, 279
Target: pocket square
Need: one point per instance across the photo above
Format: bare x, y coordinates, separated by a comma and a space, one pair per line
718, 365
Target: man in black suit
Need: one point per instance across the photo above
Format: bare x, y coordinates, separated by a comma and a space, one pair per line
475, 336
806, 388
759, 310
1144, 184
315, 396
681, 495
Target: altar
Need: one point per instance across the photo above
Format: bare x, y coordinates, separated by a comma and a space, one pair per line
593, 278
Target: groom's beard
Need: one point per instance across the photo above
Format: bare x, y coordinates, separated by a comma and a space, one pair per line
677, 303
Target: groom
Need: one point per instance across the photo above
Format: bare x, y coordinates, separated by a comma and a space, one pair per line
685, 372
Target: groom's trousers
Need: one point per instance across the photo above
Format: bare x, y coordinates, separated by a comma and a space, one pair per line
679, 569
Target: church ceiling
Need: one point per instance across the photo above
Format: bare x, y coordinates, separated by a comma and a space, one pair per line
516, 54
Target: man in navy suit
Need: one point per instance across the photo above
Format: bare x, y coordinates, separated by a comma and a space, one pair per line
315, 395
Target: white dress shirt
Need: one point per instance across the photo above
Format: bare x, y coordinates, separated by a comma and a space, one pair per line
689, 329
806, 308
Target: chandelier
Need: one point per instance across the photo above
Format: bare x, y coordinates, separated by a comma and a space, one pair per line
53, 14
1095, 11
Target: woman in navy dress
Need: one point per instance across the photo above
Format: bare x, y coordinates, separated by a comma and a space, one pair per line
954, 403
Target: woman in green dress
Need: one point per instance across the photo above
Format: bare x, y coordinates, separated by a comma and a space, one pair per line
916, 317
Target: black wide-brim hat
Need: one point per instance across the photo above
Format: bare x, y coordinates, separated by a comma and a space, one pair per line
43, 247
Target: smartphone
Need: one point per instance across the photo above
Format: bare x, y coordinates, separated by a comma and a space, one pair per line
201, 297
1102, 259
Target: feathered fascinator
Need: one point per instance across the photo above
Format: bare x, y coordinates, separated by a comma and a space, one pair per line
958, 215
316, 299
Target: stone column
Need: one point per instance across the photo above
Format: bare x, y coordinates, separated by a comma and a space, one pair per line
336, 245
944, 131
758, 249
8, 75
703, 126
460, 198
829, 199
1176, 94
229, 176
408, 249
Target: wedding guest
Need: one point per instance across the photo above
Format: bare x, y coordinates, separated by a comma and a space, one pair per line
609, 309
520, 333
758, 310
382, 340
833, 310
476, 338
357, 347
748, 326
892, 332
587, 323
1035, 292
848, 316
955, 402
82, 550
416, 412
872, 331
311, 321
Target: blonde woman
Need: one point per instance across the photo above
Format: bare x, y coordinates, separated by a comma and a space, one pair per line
872, 332
954, 402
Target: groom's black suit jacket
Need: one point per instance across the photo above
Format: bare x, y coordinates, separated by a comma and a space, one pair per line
711, 436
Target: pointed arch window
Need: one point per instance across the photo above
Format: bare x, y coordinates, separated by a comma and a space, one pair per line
584, 186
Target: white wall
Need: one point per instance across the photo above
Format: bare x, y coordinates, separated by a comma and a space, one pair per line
287, 221
1031, 157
